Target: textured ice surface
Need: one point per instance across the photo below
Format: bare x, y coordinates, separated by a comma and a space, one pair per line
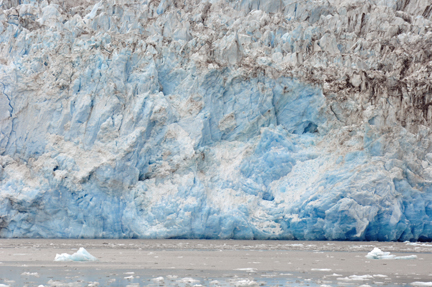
223, 119
377, 253
80, 255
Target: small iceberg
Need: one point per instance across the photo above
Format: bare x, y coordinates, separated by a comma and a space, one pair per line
376, 253
421, 283
80, 255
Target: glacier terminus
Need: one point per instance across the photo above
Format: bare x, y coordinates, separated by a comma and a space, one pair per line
216, 119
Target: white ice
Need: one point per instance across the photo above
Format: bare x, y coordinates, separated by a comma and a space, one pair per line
247, 269
377, 253
188, 280
159, 280
30, 274
80, 255
356, 278
245, 283
421, 284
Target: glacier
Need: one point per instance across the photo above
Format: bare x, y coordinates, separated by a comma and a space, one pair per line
244, 119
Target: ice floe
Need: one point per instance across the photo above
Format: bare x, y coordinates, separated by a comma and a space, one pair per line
377, 253
188, 280
356, 278
80, 255
244, 283
35, 274
247, 269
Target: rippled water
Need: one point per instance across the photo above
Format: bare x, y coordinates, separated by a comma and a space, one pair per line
212, 263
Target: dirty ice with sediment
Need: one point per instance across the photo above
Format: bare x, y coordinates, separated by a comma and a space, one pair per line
247, 119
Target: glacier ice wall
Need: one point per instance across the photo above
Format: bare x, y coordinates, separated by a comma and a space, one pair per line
248, 119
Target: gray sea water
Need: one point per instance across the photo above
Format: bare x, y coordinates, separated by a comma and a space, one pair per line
30, 262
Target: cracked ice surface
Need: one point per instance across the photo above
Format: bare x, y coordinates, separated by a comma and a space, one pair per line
243, 119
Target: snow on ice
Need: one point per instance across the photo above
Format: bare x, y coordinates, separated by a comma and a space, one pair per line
216, 119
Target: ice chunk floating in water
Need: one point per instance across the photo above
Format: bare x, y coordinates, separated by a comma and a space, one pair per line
80, 255
218, 119
376, 253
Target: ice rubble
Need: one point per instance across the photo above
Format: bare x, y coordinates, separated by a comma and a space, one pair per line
80, 255
377, 253
238, 119
35, 274
188, 280
244, 283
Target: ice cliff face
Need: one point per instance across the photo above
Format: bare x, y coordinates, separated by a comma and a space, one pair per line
248, 119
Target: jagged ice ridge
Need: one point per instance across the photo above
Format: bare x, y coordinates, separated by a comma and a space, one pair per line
248, 119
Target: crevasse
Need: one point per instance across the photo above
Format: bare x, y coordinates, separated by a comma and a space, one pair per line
221, 119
